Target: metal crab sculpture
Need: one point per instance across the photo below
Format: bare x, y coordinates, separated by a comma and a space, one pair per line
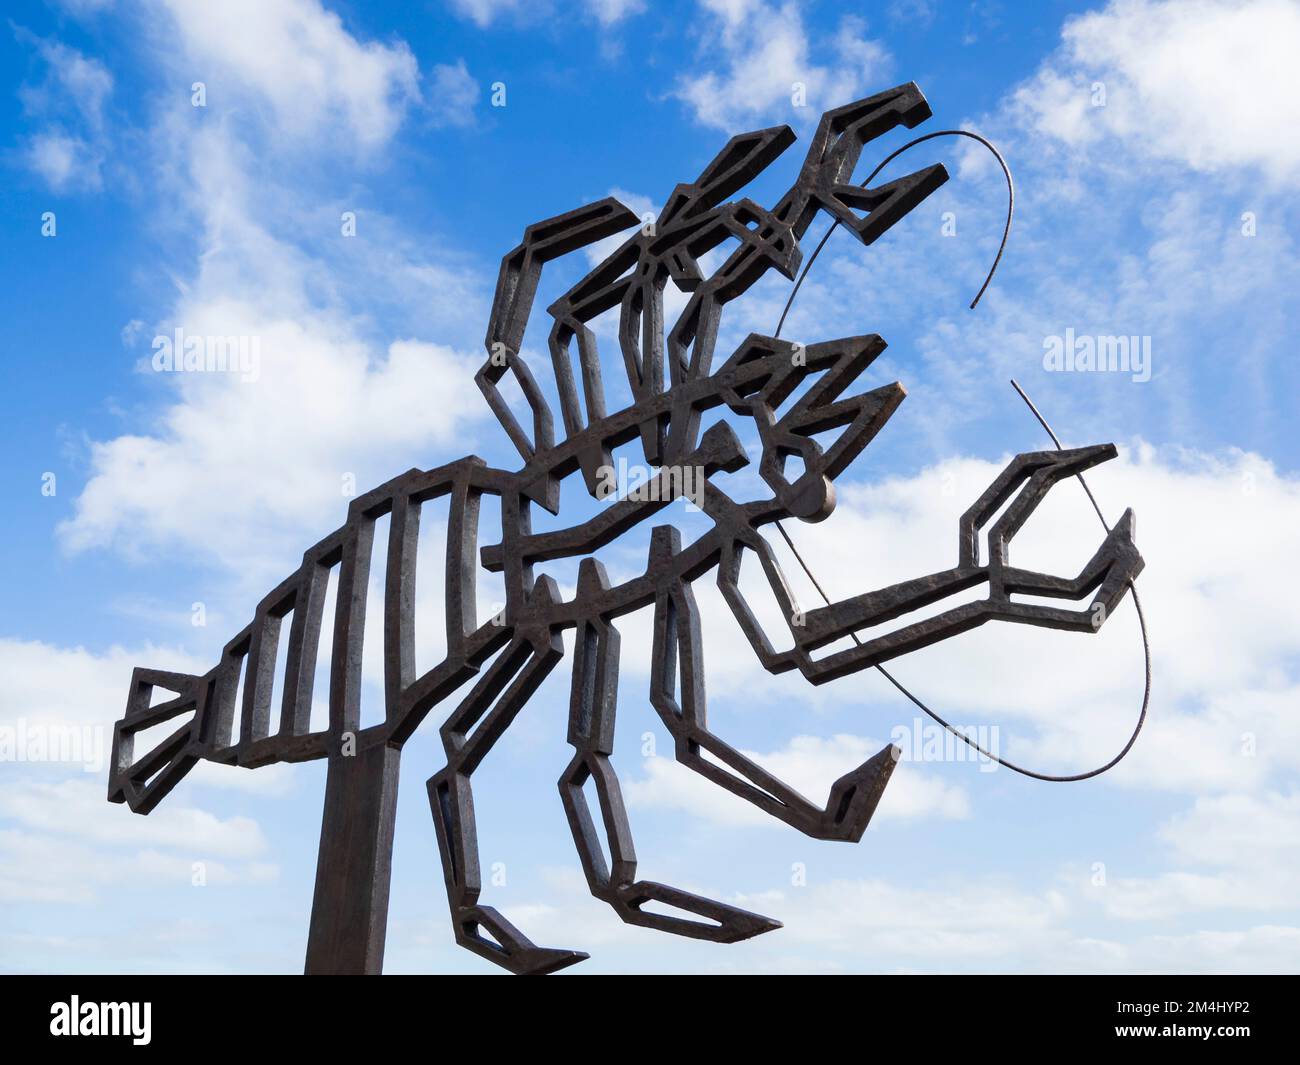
523, 644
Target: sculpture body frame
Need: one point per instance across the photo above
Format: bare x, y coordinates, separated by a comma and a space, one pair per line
674, 384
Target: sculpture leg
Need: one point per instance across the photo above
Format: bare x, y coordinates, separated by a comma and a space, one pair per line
678, 653
592, 710
519, 669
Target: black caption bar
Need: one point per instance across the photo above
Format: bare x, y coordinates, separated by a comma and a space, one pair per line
139, 1014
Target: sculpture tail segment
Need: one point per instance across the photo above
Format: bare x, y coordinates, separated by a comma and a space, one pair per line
210, 700
142, 783
296, 610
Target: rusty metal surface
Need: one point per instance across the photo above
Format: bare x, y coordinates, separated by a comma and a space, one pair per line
671, 373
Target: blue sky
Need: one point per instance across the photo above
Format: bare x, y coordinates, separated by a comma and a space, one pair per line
1156, 199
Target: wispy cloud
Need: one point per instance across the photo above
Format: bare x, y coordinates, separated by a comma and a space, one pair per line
760, 65
333, 402
296, 58
69, 103
1208, 84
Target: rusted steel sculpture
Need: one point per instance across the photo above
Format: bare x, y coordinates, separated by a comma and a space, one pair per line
673, 382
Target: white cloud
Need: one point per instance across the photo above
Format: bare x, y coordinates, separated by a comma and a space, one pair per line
82, 8
916, 13
68, 154
989, 925
452, 95
980, 923
247, 470
270, 781
63, 701
878, 924
484, 12
610, 12
65, 162
1244, 831
60, 839
1259, 949
1211, 84
74, 81
73, 687
298, 58
835, 925
77, 808
270, 457
764, 52
131, 332
1228, 852
64, 841
39, 867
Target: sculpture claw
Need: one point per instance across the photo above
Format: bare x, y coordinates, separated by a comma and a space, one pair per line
724, 924
541, 961
856, 794
508, 947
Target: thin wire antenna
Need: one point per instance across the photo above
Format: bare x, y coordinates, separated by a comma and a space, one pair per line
1006, 229
1137, 604
915, 700
1043, 422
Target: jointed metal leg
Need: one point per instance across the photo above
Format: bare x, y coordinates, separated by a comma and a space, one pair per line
591, 731
678, 643
491, 705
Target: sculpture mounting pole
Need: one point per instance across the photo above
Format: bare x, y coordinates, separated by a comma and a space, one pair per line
349, 912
